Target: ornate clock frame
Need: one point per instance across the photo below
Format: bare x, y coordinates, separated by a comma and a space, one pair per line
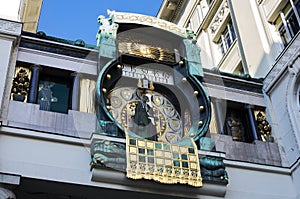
131, 68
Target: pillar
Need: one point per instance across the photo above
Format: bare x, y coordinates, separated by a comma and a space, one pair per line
34, 83
75, 91
252, 121
220, 115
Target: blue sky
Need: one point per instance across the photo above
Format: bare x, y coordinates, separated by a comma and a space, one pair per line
68, 20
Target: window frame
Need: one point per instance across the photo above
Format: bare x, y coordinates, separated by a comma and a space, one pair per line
227, 38
286, 29
57, 76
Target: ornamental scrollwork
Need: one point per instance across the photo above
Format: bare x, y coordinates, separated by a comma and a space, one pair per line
219, 18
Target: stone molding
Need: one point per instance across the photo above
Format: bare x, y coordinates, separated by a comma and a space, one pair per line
282, 64
10, 27
123, 17
219, 17
119, 179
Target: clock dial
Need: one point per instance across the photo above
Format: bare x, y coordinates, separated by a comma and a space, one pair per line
166, 119
153, 101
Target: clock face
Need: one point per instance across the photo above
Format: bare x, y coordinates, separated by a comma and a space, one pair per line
167, 121
154, 101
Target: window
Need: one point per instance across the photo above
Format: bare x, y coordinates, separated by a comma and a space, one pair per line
54, 90
196, 19
51, 88
289, 21
239, 122
237, 125
226, 39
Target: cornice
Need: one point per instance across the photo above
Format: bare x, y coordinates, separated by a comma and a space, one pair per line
282, 63
10, 27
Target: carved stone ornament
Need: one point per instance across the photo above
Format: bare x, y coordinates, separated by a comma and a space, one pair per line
10, 27
219, 18
122, 17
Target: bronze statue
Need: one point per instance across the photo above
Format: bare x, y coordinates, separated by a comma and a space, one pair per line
144, 124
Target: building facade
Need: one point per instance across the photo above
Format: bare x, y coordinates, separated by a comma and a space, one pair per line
256, 38
69, 126
24, 11
228, 31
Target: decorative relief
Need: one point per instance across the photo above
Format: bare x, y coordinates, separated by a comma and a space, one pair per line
148, 20
10, 27
21, 83
219, 18
263, 127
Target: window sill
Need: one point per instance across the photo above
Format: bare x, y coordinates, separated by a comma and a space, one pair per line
29, 116
230, 59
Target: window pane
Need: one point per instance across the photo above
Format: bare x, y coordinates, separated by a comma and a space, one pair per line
232, 31
227, 40
293, 24
221, 46
284, 36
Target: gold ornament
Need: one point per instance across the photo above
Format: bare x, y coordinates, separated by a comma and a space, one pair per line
181, 63
201, 108
200, 123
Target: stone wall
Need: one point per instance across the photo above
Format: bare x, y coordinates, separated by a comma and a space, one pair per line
258, 152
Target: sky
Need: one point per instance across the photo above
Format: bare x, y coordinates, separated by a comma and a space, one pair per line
68, 20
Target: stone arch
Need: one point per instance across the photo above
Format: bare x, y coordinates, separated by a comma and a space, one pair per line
292, 93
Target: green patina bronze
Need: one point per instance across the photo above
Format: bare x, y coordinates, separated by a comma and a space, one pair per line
108, 154
213, 169
106, 36
113, 154
193, 54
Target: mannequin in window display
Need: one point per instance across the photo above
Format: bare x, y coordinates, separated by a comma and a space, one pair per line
235, 127
144, 123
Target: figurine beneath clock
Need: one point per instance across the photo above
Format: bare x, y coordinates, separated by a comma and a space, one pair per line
144, 124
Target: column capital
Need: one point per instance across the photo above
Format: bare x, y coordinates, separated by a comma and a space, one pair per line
76, 74
36, 66
249, 106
